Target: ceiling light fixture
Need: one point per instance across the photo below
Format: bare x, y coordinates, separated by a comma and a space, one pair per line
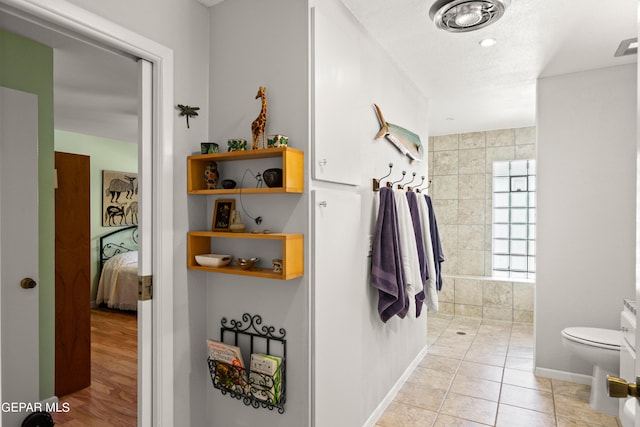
487, 42
459, 16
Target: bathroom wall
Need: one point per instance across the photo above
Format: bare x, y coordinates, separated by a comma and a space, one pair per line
330, 314
380, 354
460, 167
586, 207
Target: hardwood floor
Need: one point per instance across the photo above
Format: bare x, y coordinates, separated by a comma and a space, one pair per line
111, 400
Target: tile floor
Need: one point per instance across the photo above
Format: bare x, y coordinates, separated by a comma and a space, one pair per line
480, 373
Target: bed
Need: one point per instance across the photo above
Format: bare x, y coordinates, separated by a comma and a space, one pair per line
118, 285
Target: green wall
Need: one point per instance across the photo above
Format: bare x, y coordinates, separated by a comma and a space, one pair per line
105, 154
28, 66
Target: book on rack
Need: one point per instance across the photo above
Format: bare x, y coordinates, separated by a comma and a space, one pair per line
265, 377
229, 374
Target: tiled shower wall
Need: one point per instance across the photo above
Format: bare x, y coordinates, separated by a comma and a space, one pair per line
460, 167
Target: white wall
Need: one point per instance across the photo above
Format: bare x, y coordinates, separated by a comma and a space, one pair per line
256, 43
372, 355
184, 27
344, 331
586, 206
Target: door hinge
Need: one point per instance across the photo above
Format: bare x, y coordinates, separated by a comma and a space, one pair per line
145, 288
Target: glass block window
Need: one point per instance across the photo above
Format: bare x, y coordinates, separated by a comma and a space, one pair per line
514, 219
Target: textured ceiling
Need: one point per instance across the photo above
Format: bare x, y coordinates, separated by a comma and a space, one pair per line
469, 88
474, 88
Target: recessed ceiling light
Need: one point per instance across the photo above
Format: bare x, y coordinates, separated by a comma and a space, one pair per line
487, 42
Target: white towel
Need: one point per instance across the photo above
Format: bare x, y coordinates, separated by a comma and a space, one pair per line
410, 261
430, 287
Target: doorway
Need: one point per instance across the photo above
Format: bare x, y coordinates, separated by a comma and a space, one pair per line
155, 316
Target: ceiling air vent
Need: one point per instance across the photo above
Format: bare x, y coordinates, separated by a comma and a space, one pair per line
459, 16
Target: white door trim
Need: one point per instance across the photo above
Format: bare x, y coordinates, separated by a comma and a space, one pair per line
145, 258
85, 25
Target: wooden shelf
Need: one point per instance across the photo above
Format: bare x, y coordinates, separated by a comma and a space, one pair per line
199, 242
292, 170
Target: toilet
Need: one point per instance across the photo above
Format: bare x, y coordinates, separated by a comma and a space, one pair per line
601, 348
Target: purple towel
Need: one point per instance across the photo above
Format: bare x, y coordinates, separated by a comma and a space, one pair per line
438, 254
386, 263
422, 259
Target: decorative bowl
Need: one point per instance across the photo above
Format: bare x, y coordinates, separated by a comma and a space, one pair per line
246, 264
228, 183
272, 177
213, 260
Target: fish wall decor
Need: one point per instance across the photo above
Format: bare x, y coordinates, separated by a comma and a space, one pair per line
407, 142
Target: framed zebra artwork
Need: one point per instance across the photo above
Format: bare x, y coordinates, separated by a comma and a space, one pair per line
119, 198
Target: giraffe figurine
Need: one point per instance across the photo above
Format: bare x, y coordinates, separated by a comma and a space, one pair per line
257, 127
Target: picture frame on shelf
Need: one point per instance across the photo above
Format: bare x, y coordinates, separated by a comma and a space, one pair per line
222, 214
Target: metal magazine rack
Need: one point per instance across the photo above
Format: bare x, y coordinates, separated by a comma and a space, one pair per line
254, 388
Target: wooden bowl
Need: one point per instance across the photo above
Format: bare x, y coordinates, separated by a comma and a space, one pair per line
246, 264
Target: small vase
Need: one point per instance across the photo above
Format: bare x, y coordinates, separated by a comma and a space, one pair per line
277, 265
236, 223
211, 175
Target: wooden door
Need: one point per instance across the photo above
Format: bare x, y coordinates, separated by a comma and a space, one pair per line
73, 274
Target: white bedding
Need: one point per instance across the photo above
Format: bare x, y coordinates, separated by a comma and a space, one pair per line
118, 286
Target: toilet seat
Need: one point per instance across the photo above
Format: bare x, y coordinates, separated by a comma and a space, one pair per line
595, 337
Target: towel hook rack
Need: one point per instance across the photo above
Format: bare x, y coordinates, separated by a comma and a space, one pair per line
376, 182
425, 188
413, 177
417, 187
404, 173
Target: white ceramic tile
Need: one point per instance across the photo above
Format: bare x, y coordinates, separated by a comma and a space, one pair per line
445, 162
495, 154
468, 291
471, 161
501, 137
470, 212
472, 140
523, 296
444, 187
445, 142
526, 135
498, 294
525, 152
471, 186
471, 237
470, 262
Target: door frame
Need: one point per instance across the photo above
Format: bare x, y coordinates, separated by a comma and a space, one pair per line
79, 23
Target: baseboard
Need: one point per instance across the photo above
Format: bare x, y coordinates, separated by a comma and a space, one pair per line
377, 413
563, 376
